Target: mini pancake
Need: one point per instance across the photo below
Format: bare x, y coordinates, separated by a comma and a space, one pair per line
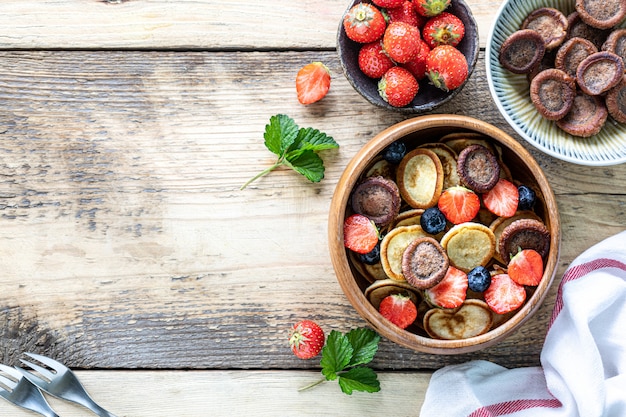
424, 263
599, 72
448, 158
469, 245
522, 51
578, 29
616, 43
381, 168
393, 246
572, 53
616, 101
552, 93
550, 23
524, 234
377, 198
409, 217
478, 168
371, 273
420, 178
498, 225
586, 117
601, 14
377, 291
473, 318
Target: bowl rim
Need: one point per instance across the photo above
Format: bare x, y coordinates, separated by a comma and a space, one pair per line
339, 256
489, 50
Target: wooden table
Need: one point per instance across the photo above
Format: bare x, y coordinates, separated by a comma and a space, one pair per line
128, 250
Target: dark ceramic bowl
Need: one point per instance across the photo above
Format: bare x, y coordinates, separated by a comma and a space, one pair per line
429, 97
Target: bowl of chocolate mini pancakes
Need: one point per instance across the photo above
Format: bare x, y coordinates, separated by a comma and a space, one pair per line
453, 204
555, 70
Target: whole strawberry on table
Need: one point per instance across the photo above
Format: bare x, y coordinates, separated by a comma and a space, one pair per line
403, 42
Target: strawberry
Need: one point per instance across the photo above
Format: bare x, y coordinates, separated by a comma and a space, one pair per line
398, 87
526, 267
443, 29
388, 4
502, 199
364, 23
417, 66
430, 8
398, 309
406, 13
459, 204
451, 291
312, 82
306, 339
373, 61
504, 294
446, 67
401, 41
360, 234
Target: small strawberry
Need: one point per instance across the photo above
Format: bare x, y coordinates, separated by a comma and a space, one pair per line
312, 82
502, 199
364, 23
459, 204
398, 309
451, 291
504, 294
430, 8
373, 61
443, 29
398, 87
417, 66
401, 41
526, 267
388, 4
306, 339
406, 13
446, 67
360, 234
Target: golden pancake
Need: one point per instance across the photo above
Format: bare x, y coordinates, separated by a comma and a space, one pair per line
420, 178
473, 318
393, 246
469, 245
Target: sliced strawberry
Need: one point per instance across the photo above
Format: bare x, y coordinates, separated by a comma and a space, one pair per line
451, 290
502, 200
504, 294
526, 267
398, 309
359, 234
312, 82
459, 204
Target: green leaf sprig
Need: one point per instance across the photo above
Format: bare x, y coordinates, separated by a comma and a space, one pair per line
344, 358
296, 148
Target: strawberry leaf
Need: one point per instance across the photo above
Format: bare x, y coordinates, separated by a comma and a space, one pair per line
314, 140
336, 355
364, 342
359, 379
307, 163
280, 134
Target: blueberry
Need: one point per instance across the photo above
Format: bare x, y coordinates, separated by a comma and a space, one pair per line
372, 257
479, 279
394, 152
526, 198
433, 221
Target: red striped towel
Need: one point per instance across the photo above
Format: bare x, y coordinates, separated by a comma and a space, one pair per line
583, 360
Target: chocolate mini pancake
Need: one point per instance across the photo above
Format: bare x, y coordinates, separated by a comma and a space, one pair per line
550, 23
552, 92
522, 51
378, 199
601, 14
599, 72
524, 234
572, 53
578, 29
586, 117
616, 101
498, 225
420, 178
424, 263
546, 63
393, 246
478, 168
616, 43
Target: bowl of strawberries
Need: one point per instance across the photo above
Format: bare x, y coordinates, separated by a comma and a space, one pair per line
444, 234
408, 56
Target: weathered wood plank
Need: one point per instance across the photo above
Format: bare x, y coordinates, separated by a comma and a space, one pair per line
183, 24
124, 231
242, 393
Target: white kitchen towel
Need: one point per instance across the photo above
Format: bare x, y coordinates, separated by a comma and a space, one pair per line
583, 360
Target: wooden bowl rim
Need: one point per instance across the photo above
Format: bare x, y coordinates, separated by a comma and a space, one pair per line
340, 260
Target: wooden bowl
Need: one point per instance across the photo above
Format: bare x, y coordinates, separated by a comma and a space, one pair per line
414, 132
429, 97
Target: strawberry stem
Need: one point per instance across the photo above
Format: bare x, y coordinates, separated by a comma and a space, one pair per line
262, 173
306, 387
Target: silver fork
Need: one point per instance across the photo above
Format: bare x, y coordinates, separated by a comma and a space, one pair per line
21, 392
60, 382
